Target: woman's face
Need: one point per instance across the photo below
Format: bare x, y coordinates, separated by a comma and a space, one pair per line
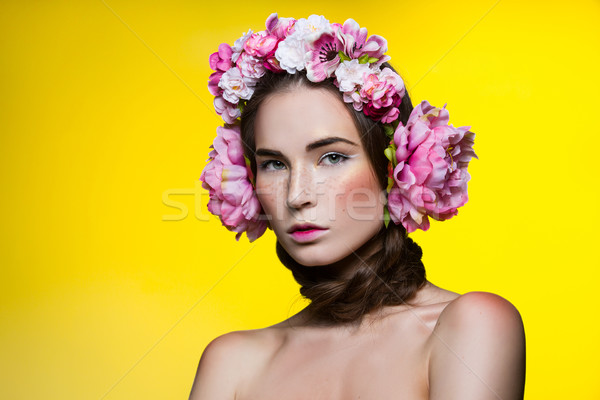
314, 179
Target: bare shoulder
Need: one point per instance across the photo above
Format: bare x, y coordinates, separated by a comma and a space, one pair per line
478, 349
228, 360
483, 309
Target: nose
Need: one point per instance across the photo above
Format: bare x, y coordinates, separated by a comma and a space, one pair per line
300, 193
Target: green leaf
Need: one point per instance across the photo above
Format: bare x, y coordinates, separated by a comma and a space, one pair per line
389, 130
363, 59
249, 170
371, 60
343, 57
389, 153
389, 185
386, 216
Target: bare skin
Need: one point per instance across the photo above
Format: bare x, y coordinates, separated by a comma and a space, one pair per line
442, 346
445, 346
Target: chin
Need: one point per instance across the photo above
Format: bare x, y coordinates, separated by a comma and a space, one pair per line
310, 258
313, 255
316, 261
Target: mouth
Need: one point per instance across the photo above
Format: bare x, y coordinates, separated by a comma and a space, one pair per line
304, 228
303, 233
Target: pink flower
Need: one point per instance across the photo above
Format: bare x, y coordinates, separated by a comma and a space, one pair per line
381, 88
229, 112
356, 44
383, 94
349, 77
261, 44
402, 211
226, 178
272, 64
235, 86
280, 27
430, 179
213, 83
323, 57
251, 67
221, 60
238, 45
384, 114
354, 99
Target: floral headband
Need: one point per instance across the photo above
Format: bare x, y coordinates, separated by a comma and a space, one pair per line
428, 158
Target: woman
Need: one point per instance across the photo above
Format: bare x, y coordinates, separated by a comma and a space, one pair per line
323, 146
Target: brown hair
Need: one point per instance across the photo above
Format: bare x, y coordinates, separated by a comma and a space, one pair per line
390, 276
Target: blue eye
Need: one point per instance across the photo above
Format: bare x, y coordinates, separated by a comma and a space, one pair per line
272, 165
333, 158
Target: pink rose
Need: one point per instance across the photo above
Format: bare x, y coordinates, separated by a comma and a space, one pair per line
381, 88
251, 67
384, 114
226, 177
261, 44
430, 179
383, 93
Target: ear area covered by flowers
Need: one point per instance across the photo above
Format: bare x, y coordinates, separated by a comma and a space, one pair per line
428, 168
227, 178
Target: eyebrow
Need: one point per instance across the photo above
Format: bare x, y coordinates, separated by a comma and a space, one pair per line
311, 146
267, 153
326, 141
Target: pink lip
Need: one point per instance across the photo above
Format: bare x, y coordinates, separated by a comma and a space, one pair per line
308, 235
306, 232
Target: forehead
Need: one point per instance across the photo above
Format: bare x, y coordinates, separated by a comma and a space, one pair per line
294, 118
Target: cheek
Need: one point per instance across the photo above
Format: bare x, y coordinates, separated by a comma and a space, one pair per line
269, 193
359, 196
265, 193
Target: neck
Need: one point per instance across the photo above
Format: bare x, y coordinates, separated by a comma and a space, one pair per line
346, 267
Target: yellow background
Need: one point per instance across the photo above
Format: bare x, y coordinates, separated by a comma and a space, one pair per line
105, 112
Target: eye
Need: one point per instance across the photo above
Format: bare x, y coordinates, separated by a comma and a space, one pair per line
333, 158
272, 165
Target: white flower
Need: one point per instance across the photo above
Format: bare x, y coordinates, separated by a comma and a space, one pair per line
234, 86
312, 28
290, 54
238, 46
393, 78
251, 67
350, 74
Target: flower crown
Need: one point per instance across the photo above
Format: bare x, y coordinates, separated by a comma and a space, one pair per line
324, 50
428, 158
